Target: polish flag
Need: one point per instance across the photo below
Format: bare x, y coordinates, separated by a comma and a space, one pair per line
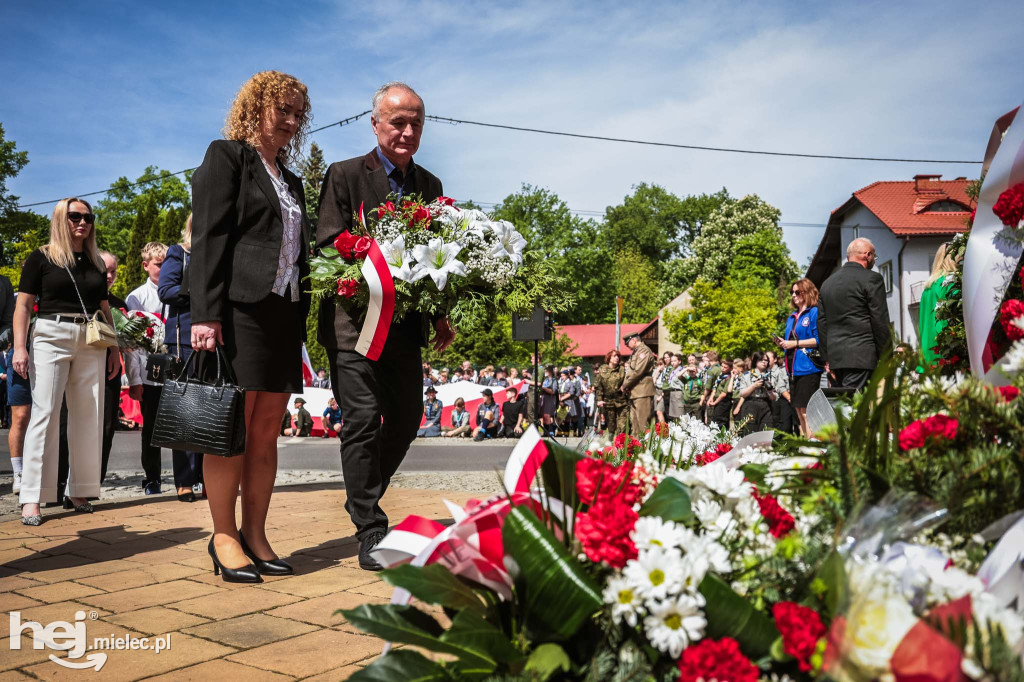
307, 368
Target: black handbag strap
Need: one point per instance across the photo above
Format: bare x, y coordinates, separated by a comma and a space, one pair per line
225, 374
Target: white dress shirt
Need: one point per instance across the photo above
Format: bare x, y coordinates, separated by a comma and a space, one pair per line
146, 299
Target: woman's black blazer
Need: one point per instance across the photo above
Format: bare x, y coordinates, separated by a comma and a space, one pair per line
237, 230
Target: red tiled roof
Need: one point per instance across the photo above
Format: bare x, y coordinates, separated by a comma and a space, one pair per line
903, 205
593, 340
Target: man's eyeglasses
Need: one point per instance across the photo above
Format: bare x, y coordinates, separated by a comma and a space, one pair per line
75, 216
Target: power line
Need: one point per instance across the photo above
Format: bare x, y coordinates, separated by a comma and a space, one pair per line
342, 122
442, 119
455, 121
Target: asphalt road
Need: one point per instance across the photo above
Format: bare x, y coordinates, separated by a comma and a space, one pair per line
321, 454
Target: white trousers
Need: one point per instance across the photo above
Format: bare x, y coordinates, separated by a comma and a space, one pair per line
62, 363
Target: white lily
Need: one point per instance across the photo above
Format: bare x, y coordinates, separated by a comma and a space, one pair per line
510, 243
398, 259
438, 260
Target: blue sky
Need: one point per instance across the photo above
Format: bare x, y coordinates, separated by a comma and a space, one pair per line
94, 91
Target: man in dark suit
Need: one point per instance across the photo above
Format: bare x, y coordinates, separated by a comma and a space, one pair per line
389, 388
853, 318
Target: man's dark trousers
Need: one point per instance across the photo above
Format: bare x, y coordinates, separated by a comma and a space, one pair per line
150, 455
372, 450
851, 378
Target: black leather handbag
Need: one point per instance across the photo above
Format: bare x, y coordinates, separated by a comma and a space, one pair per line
199, 415
163, 366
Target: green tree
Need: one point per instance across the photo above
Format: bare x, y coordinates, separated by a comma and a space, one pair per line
171, 224
656, 223
715, 247
734, 318
23, 232
313, 168
11, 163
116, 213
568, 240
142, 227
488, 341
635, 279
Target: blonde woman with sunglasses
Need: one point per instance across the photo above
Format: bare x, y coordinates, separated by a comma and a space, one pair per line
66, 278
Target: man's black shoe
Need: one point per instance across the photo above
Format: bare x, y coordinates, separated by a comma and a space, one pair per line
366, 545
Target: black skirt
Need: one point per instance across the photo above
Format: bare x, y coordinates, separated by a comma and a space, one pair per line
802, 388
263, 344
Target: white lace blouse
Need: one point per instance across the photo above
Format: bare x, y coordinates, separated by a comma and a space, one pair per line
291, 240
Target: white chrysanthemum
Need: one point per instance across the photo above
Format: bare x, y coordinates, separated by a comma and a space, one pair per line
709, 549
673, 624
728, 483
707, 511
655, 573
623, 598
652, 531
693, 567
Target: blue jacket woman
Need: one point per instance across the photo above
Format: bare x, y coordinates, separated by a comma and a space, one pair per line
175, 297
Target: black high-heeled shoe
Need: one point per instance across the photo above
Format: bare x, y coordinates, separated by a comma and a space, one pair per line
246, 574
271, 567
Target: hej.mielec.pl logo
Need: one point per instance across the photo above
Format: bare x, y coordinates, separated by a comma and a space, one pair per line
64, 636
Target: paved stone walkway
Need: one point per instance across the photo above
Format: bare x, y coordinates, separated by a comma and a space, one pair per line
140, 569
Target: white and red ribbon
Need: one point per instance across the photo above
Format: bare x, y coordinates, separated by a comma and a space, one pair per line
381, 309
989, 262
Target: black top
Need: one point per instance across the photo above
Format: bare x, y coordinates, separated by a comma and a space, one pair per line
510, 411
53, 289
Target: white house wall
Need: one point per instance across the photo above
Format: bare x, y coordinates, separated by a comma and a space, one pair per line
887, 248
917, 268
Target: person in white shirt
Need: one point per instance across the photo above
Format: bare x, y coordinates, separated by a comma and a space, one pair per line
146, 299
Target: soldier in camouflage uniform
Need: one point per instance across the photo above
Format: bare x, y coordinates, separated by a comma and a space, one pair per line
610, 399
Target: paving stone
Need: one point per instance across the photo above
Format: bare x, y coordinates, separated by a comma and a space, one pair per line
19, 658
11, 601
13, 676
16, 582
320, 610
321, 582
220, 670
75, 571
143, 575
58, 591
64, 610
155, 620
228, 603
150, 595
310, 654
253, 630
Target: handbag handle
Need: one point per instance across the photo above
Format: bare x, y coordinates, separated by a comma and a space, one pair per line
77, 292
224, 374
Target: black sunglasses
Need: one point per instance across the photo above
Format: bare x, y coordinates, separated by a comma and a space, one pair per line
75, 216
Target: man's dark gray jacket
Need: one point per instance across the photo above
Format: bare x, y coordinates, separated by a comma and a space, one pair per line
853, 318
347, 185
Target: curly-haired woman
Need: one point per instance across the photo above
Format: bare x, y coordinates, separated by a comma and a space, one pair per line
250, 243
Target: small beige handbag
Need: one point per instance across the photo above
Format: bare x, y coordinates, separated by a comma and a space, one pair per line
98, 332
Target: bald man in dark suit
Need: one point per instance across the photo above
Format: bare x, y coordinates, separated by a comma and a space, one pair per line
382, 400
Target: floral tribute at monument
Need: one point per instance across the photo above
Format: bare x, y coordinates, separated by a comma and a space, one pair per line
888, 547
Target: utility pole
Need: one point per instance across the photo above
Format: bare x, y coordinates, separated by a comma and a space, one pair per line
618, 322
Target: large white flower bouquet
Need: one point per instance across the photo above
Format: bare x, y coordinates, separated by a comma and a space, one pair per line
442, 260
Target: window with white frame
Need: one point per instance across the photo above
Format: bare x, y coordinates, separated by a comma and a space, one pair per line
885, 270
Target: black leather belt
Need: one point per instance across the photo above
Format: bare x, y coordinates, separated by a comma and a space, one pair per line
64, 317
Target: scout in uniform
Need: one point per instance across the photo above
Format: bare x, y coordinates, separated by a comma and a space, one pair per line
719, 402
638, 385
609, 398
691, 391
757, 392
711, 375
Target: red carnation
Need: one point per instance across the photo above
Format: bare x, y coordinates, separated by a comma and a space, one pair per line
913, 435
1010, 205
780, 521
721, 660
620, 441
446, 201
1009, 393
347, 287
711, 455
604, 530
1008, 312
598, 482
149, 332
801, 628
941, 425
661, 428
139, 313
